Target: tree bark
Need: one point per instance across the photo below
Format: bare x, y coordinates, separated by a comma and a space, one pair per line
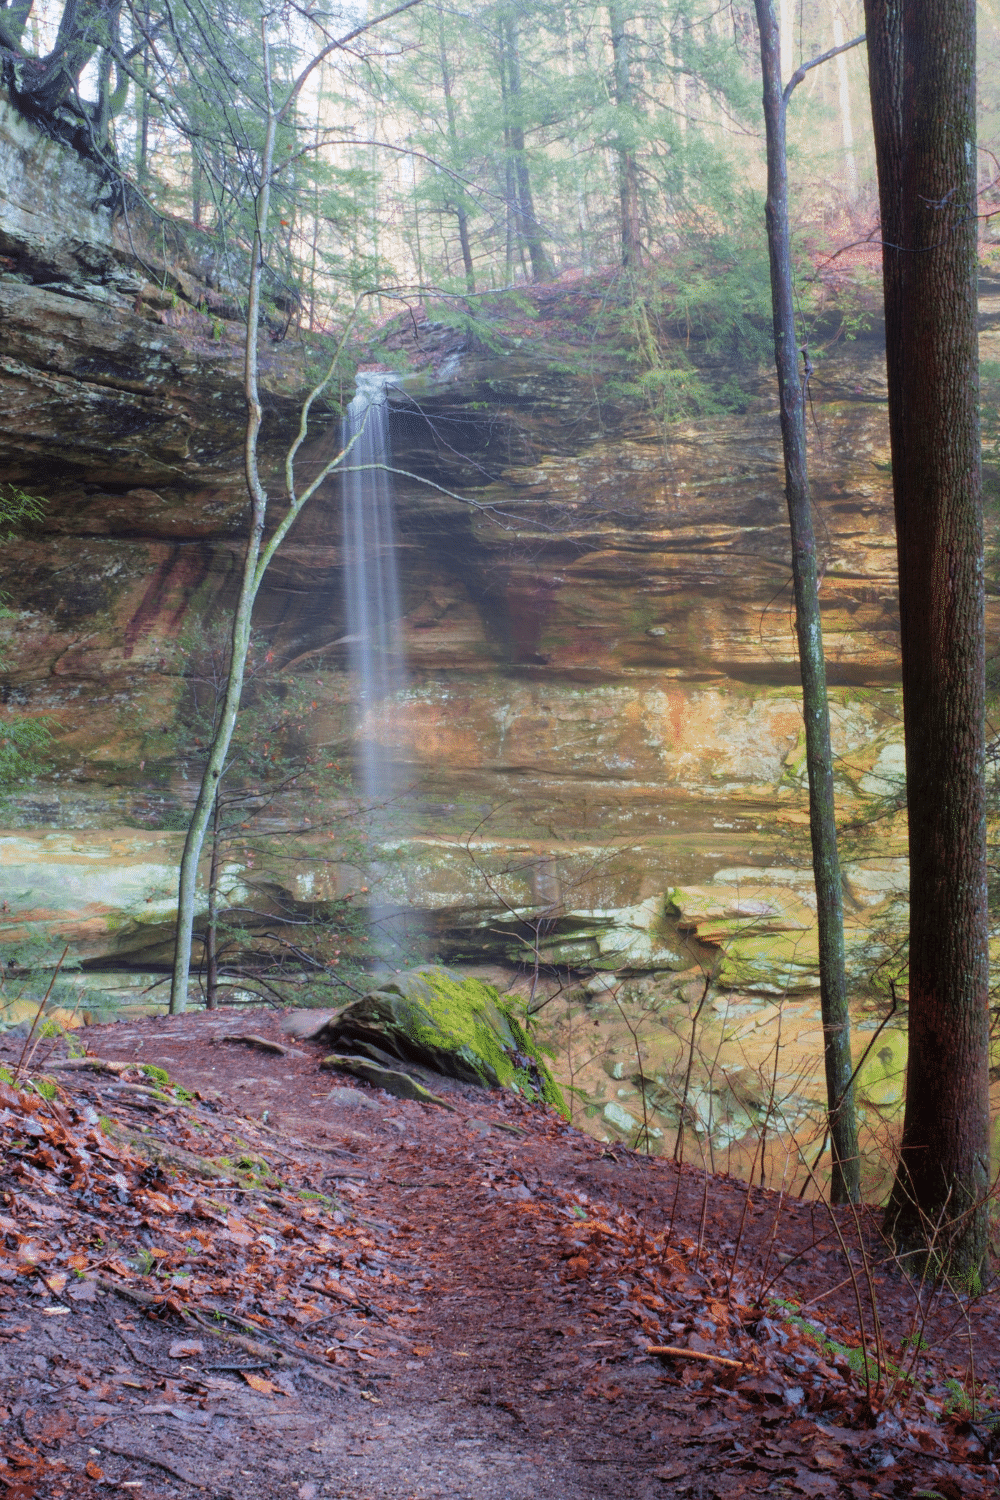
922, 71
530, 231
212, 920
628, 174
462, 216
84, 27
846, 1177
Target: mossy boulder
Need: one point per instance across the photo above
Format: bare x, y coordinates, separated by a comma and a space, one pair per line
461, 1028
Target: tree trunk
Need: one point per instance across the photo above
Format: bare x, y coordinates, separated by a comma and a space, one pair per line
142, 132
249, 584
922, 71
463, 218
196, 176
846, 1177
212, 920
256, 559
531, 234
846, 121
628, 175
52, 82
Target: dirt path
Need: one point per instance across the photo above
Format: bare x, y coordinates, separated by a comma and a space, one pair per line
472, 1320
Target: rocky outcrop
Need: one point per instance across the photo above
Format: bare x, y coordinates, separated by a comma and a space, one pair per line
601, 735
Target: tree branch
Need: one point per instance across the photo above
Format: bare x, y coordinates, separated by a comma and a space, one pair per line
804, 68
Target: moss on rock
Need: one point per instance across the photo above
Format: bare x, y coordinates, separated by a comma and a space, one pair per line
462, 1028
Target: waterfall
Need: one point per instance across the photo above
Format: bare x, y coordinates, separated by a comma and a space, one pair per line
374, 631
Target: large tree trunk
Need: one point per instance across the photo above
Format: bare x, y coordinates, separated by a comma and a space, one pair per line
628, 173
922, 70
846, 1177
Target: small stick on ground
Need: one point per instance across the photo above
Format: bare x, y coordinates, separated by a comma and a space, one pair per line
249, 1039
711, 1359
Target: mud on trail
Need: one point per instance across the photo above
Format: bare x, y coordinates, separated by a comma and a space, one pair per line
256, 1280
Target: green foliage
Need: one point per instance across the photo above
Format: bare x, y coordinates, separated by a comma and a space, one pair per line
23, 741
18, 509
145, 1262
962, 1404
23, 746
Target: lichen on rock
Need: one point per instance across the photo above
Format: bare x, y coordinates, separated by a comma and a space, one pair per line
461, 1028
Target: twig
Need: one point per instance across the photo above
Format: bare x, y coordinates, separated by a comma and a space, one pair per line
712, 1359
260, 1042
92, 1064
157, 1463
38, 1016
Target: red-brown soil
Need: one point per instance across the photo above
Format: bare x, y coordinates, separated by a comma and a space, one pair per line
460, 1305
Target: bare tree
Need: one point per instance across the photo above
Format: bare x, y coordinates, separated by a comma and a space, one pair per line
846, 1178
262, 171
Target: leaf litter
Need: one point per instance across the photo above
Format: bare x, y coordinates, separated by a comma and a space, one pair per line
211, 1283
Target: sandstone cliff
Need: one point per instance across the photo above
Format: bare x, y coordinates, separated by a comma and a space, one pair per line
601, 655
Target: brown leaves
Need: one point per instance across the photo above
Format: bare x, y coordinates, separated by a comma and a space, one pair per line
195, 1249
186, 1348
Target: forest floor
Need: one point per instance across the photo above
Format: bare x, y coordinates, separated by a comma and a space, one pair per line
288, 1285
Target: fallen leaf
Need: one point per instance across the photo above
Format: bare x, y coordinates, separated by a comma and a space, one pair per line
92, 1470
814, 1485
257, 1383
185, 1348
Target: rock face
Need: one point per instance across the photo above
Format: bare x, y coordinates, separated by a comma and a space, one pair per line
601, 731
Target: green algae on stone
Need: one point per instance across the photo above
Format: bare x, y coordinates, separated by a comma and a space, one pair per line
462, 1028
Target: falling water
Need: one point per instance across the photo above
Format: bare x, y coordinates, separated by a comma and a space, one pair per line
374, 633
372, 581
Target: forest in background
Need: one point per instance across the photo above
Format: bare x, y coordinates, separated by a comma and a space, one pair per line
452, 151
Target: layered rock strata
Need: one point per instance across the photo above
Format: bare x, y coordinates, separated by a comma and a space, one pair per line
601, 733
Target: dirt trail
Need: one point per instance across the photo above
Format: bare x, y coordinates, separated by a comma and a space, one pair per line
487, 1337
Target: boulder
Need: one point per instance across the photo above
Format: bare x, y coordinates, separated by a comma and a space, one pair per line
459, 1028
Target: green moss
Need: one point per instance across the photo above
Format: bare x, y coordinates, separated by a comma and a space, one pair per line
484, 1030
462, 1027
